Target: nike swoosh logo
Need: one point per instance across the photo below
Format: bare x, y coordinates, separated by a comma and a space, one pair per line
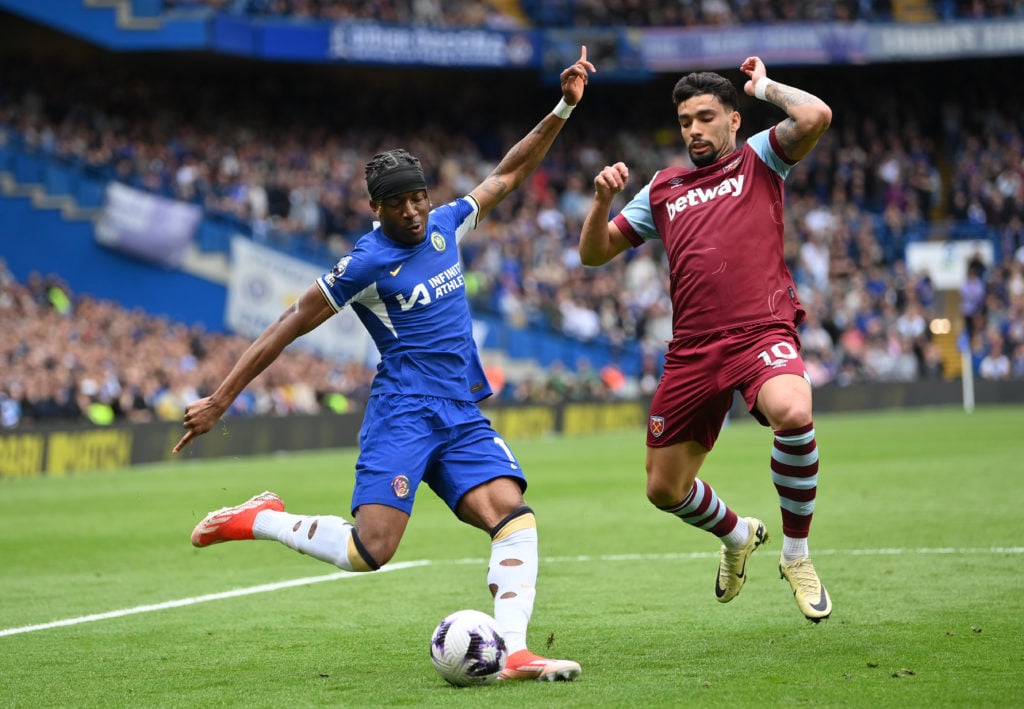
822, 603
395, 272
719, 591
759, 535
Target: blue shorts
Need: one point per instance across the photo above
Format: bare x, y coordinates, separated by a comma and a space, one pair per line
448, 444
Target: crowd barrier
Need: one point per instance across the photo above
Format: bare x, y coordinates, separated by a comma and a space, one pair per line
56, 451
69, 450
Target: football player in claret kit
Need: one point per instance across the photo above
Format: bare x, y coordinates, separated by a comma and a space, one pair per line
422, 422
735, 312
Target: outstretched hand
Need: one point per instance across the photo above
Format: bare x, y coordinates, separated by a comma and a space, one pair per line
575, 77
200, 417
755, 69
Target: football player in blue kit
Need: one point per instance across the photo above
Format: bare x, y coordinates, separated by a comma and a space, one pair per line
422, 422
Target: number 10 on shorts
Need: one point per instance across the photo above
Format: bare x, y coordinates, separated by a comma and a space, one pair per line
781, 354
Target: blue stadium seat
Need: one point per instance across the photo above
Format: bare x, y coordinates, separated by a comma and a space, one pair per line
27, 168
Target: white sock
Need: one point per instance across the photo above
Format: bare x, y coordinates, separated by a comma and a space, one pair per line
738, 536
794, 548
514, 584
326, 538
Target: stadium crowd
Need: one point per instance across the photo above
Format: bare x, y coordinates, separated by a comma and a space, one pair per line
438, 13
499, 14
284, 159
71, 357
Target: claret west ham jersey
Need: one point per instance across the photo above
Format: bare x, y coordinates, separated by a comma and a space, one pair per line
412, 301
722, 229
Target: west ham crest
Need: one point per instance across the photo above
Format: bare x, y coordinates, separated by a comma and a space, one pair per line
657, 425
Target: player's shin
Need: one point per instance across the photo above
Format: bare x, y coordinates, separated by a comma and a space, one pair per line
794, 468
512, 575
327, 538
703, 509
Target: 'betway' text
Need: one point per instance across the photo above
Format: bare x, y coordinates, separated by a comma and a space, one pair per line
731, 186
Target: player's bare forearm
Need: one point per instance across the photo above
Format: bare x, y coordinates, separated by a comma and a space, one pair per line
519, 162
600, 240
308, 312
594, 248
203, 414
526, 155
259, 355
809, 116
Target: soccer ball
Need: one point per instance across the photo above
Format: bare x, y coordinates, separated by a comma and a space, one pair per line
467, 648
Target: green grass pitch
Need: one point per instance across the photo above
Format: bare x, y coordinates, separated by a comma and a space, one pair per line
918, 535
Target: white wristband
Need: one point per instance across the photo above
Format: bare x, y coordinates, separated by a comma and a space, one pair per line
761, 86
562, 110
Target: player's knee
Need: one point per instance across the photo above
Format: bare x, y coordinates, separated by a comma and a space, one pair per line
659, 498
787, 405
795, 414
369, 553
521, 518
664, 491
670, 479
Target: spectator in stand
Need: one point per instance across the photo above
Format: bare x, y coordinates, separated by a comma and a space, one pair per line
972, 297
814, 259
890, 359
137, 367
1017, 363
995, 364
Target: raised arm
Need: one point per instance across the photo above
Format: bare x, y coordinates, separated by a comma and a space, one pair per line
808, 116
524, 157
308, 312
600, 239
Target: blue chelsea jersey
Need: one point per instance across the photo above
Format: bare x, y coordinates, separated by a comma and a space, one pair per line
412, 301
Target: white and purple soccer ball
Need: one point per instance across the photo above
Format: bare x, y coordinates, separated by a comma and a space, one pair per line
467, 648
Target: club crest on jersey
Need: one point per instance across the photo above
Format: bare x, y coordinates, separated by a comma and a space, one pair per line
657, 426
437, 241
401, 487
733, 165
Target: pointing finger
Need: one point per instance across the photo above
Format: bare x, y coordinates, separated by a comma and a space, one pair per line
185, 440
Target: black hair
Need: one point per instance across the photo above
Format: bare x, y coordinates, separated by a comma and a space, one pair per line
393, 173
382, 162
706, 82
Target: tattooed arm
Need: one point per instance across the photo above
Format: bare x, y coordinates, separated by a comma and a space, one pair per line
524, 157
808, 116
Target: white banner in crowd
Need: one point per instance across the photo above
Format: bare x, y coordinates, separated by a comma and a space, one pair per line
946, 261
146, 226
264, 282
